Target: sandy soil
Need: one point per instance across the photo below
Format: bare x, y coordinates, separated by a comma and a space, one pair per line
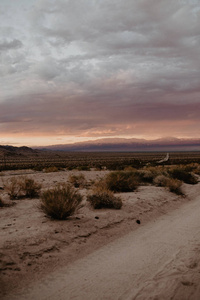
33, 246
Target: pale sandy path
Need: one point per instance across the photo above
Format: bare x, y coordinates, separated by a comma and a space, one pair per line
160, 260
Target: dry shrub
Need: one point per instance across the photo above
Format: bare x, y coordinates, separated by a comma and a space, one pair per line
22, 187
84, 168
193, 168
161, 180
61, 201
78, 180
30, 188
13, 187
174, 185
190, 167
146, 175
104, 198
121, 181
196, 169
51, 169
180, 174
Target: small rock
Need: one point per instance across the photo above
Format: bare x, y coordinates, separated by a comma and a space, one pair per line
138, 221
97, 217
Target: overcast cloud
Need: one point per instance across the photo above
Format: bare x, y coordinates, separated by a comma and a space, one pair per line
100, 68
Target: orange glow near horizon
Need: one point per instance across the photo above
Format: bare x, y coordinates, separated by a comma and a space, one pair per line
48, 141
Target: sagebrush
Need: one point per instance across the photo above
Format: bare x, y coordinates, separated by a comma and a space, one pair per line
122, 181
183, 175
61, 202
104, 198
22, 187
174, 185
78, 180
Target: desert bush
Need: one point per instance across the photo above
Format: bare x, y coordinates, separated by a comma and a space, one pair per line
77, 180
181, 174
30, 188
121, 181
13, 187
22, 186
161, 180
104, 198
84, 168
51, 169
190, 167
196, 169
174, 185
61, 201
100, 184
146, 175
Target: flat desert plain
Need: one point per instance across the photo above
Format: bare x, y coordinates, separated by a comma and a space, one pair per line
149, 249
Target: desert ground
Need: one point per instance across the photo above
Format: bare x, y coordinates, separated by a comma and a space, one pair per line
156, 230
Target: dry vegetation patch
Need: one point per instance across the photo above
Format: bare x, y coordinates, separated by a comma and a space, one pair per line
78, 180
22, 187
122, 181
51, 169
61, 202
104, 198
182, 174
174, 185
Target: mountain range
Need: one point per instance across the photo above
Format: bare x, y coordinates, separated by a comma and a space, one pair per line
128, 145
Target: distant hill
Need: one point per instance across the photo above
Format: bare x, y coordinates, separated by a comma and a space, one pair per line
16, 151
128, 145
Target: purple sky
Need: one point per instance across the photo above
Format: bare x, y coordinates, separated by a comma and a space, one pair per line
74, 70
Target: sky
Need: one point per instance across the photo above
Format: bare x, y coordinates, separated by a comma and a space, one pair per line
75, 70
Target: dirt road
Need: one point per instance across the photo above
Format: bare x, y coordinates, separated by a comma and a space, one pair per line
160, 260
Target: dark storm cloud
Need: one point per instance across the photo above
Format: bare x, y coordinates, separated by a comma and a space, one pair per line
155, 42
102, 65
